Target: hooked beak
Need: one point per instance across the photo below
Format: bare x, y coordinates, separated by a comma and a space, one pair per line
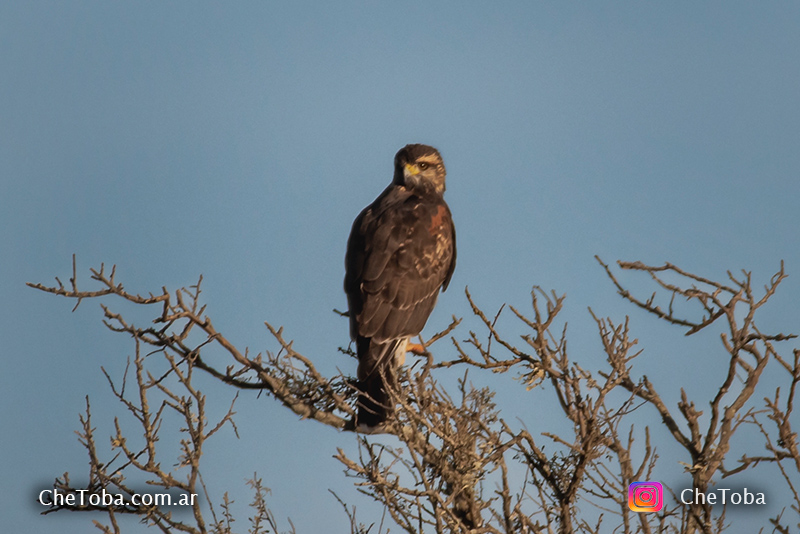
410, 170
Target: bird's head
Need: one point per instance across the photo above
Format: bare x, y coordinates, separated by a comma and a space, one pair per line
419, 167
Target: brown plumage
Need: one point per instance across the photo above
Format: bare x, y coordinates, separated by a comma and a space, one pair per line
401, 252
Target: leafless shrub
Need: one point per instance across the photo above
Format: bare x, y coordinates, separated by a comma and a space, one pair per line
454, 463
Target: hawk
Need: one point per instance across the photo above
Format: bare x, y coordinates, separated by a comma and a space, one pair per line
401, 252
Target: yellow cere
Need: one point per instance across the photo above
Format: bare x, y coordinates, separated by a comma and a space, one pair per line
412, 169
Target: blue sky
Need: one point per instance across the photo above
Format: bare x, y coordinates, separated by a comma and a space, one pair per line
240, 141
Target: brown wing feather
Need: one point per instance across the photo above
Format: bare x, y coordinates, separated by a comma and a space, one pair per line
401, 252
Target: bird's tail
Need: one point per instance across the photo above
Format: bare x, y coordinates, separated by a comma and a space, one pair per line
377, 373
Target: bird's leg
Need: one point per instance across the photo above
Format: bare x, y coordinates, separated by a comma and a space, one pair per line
416, 348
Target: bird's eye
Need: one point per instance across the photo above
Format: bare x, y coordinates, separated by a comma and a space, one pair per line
423, 166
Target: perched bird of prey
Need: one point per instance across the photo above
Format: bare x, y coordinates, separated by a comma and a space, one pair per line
401, 252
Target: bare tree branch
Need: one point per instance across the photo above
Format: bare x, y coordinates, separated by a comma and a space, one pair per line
454, 464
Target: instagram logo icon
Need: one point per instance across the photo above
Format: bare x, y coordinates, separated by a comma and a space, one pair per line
645, 496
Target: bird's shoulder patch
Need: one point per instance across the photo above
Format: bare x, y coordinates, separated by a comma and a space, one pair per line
438, 218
